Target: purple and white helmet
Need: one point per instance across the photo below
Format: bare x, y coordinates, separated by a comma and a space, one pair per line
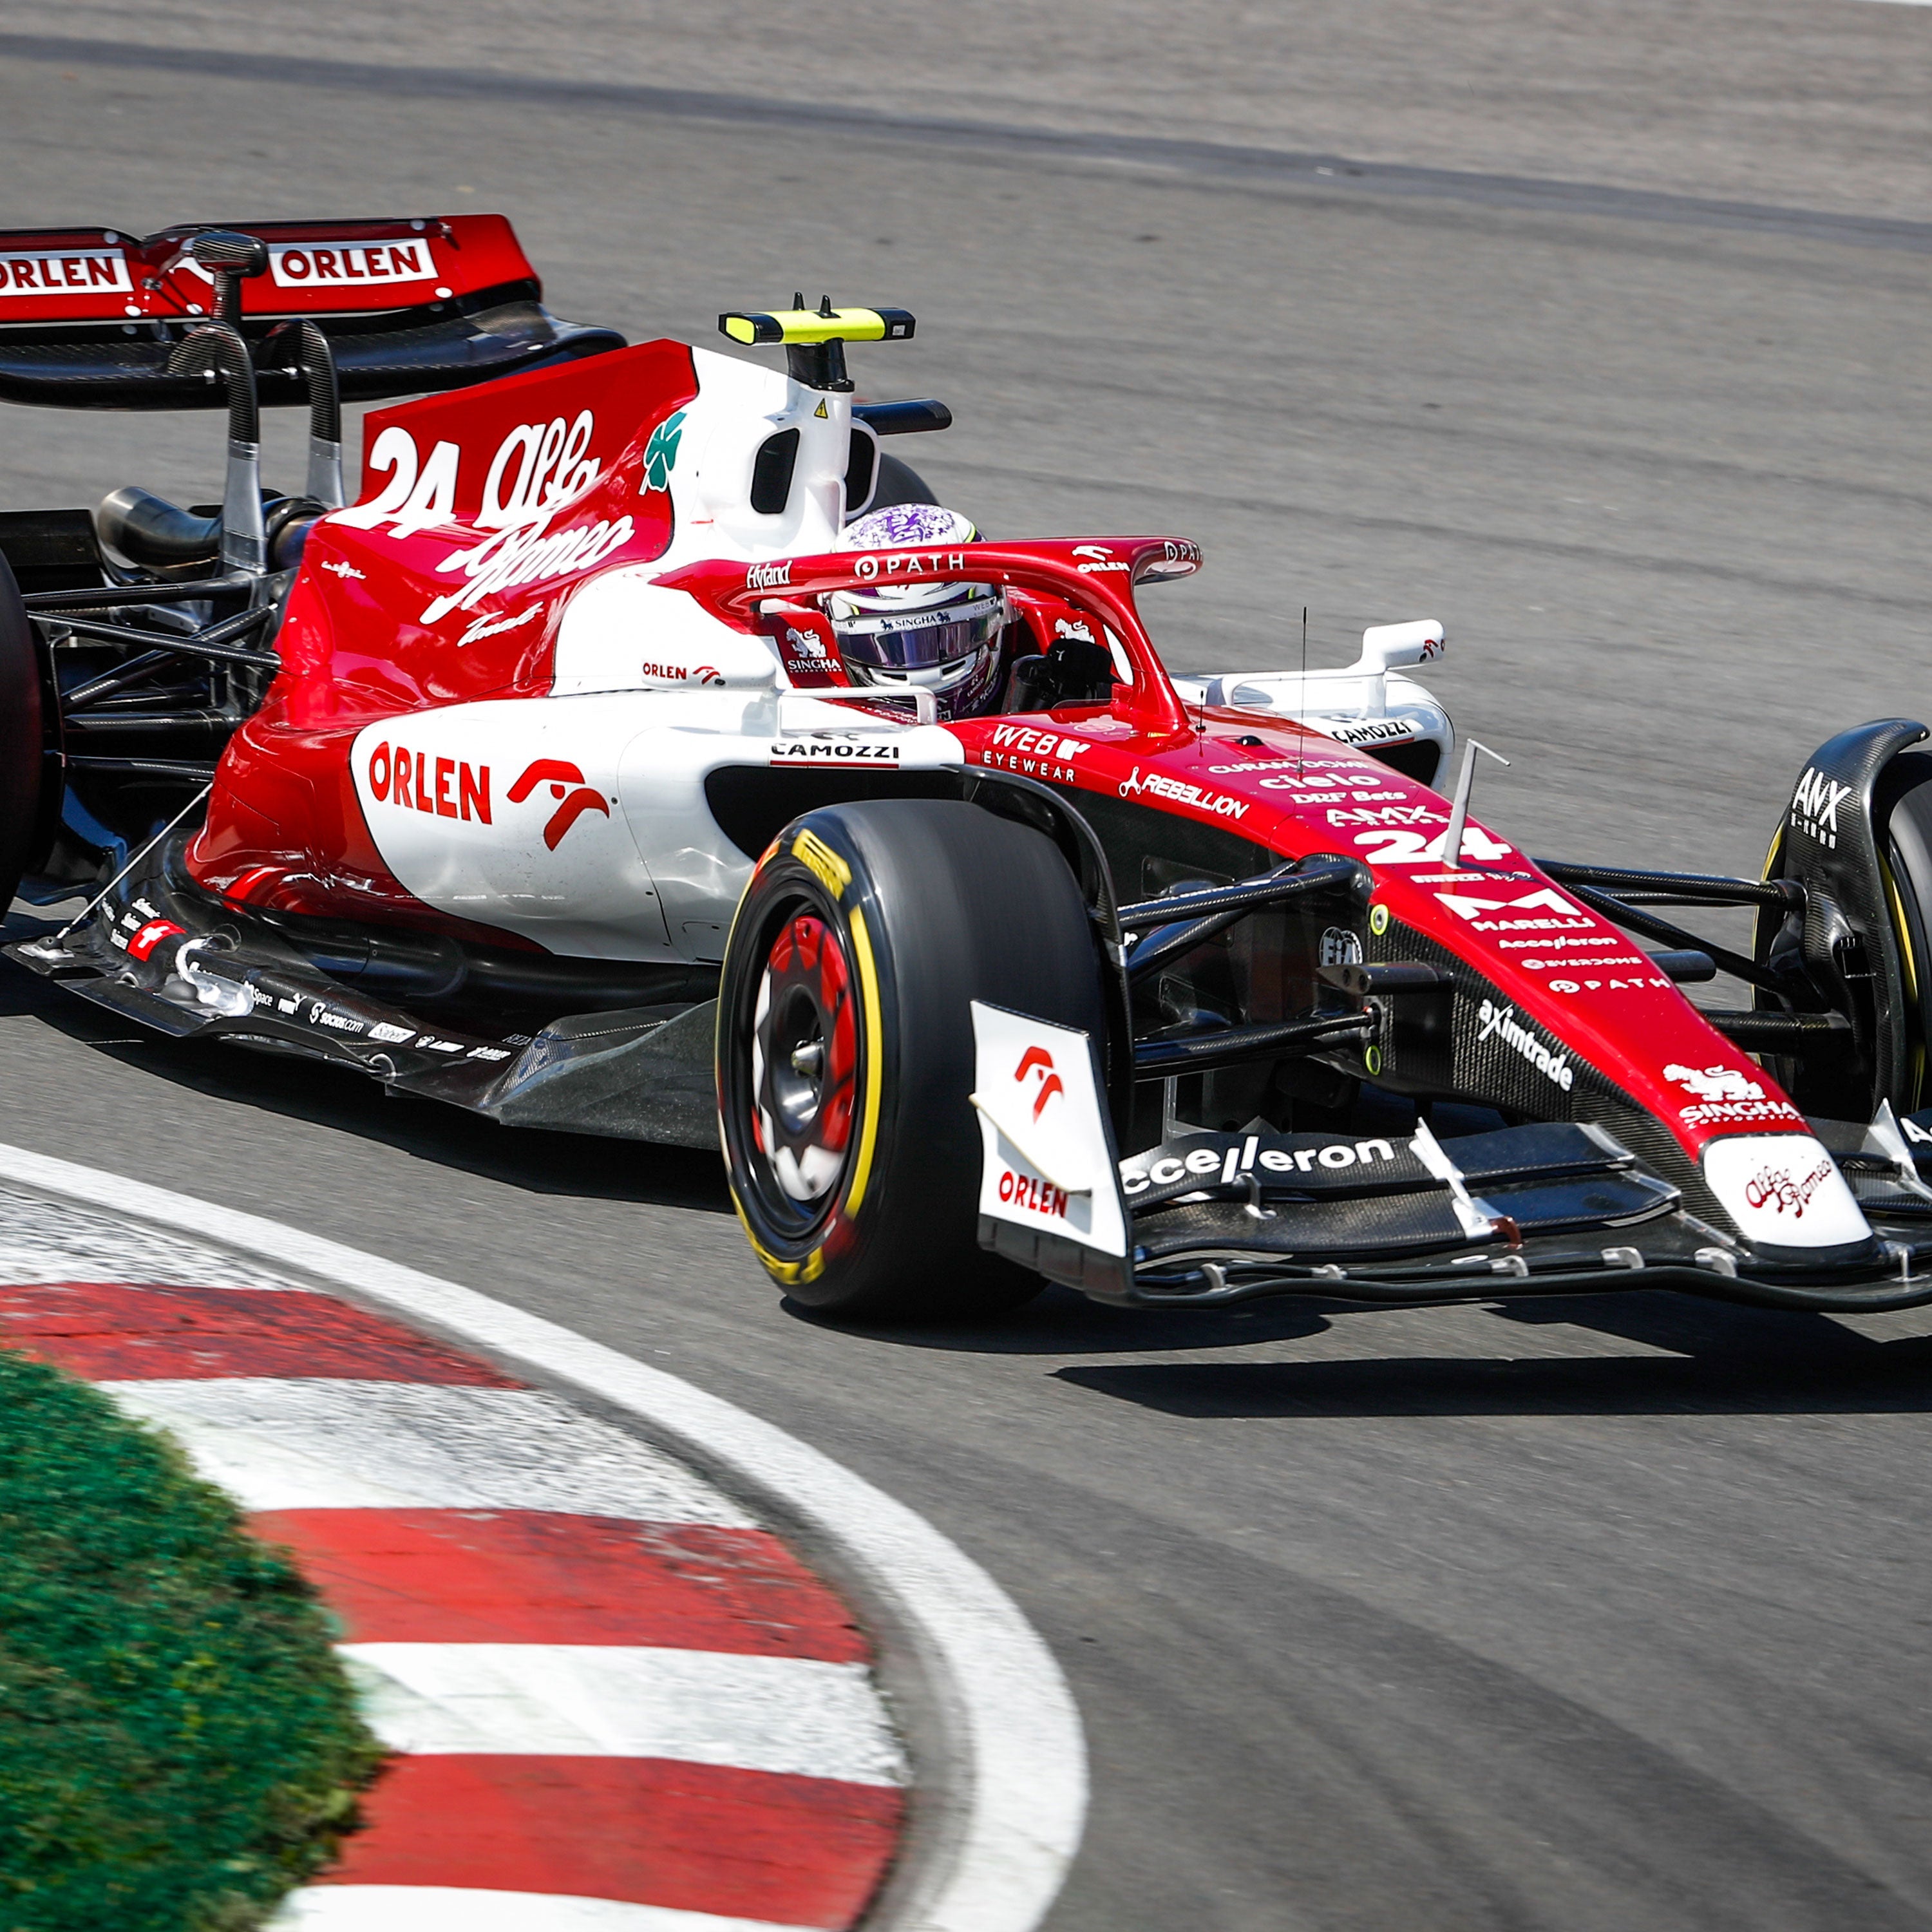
944, 637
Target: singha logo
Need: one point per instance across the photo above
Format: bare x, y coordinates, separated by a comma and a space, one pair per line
1714, 1083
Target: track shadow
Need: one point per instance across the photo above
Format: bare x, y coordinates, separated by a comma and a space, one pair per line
1748, 1362
586, 1165
1059, 1321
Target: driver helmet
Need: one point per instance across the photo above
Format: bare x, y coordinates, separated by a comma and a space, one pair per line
943, 636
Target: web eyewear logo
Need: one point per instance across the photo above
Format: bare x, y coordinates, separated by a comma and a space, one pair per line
1037, 1060
560, 776
661, 452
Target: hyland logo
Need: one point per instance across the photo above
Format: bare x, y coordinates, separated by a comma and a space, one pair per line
1502, 1023
444, 788
1161, 786
1814, 807
768, 577
560, 776
661, 452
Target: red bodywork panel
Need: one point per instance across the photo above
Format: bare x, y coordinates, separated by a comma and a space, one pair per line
390, 621
423, 605
1519, 929
316, 267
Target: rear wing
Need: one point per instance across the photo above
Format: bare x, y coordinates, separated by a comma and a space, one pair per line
89, 317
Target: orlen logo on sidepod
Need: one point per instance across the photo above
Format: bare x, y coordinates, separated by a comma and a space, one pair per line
560, 776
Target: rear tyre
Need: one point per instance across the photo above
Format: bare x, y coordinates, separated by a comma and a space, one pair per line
845, 1052
22, 739
898, 482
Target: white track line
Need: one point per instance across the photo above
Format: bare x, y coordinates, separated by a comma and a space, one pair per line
430, 1908
1018, 1781
791, 1715
277, 1444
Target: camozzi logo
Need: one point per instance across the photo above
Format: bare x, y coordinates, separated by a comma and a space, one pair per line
1501, 1023
1814, 806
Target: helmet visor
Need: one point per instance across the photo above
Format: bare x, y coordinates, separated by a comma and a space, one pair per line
918, 640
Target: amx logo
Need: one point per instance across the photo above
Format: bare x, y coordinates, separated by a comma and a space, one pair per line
560, 776
1814, 806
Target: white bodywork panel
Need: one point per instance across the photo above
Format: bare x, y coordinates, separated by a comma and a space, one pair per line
581, 823
1368, 703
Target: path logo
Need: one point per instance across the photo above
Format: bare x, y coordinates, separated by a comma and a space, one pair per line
1037, 1060
560, 776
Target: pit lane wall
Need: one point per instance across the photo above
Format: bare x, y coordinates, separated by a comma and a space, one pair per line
616, 1700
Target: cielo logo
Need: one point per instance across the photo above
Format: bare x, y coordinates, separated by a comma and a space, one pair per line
560, 776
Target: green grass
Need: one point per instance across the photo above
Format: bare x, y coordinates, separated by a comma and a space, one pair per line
178, 1743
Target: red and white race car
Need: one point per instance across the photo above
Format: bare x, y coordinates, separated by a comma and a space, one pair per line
644, 752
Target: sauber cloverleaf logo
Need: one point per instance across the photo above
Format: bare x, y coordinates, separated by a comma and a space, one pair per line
661, 452
559, 775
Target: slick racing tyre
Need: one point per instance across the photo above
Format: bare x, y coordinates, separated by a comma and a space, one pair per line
21, 739
845, 1051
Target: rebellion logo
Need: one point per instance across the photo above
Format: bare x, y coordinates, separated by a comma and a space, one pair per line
561, 776
1182, 793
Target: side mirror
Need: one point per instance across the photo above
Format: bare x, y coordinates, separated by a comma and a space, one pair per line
1386, 646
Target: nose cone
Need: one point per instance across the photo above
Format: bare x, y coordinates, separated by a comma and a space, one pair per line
1784, 1191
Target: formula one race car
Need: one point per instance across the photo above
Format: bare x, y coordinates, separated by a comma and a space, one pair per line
645, 753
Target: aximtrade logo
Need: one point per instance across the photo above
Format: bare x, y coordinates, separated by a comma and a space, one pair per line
560, 776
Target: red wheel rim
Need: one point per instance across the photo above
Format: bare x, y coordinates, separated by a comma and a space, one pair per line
805, 1054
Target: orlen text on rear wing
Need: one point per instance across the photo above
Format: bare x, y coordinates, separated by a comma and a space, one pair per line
89, 318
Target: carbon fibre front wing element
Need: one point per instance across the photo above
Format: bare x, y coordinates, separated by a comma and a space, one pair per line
1545, 1209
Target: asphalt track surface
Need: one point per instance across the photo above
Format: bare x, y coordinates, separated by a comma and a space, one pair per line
1448, 1619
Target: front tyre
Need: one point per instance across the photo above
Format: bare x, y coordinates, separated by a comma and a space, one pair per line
845, 1053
